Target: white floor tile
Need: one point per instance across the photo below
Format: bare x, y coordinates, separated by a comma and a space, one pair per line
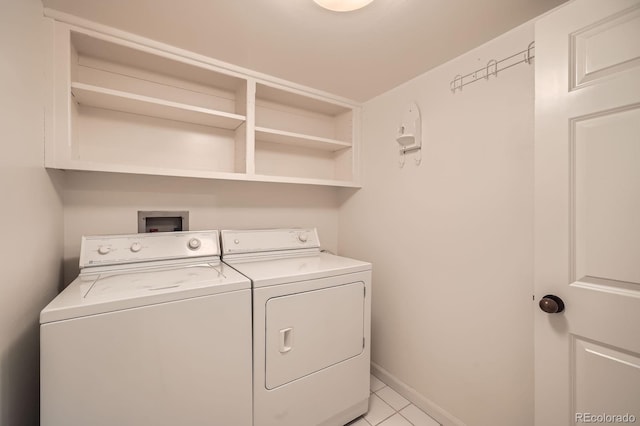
388, 408
393, 398
418, 417
378, 410
396, 420
376, 384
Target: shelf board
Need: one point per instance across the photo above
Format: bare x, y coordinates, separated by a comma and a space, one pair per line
305, 181
88, 166
100, 97
295, 100
297, 139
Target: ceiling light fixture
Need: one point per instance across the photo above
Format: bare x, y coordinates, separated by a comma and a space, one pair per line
343, 5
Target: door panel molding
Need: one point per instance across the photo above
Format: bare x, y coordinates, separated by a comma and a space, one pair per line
592, 59
579, 206
588, 357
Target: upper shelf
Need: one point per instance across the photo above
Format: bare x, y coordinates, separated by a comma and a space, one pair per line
298, 139
268, 93
127, 55
100, 97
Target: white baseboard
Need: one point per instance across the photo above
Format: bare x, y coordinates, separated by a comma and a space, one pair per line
439, 414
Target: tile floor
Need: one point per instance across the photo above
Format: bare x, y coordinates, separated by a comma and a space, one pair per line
388, 408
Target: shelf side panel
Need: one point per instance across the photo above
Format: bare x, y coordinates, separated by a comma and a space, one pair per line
240, 149
250, 141
58, 153
344, 126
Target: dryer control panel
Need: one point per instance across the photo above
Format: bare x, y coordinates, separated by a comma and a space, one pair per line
268, 240
133, 248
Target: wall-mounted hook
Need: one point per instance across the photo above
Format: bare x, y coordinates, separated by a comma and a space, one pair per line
454, 84
528, 56
488, 72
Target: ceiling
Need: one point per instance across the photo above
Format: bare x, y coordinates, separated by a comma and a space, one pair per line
357, 55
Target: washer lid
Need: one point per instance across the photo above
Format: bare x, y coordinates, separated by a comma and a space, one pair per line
100, 292
287, 269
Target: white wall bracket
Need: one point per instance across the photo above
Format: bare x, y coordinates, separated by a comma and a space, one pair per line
410, 133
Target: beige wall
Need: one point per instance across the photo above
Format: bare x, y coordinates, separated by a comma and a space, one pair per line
104, 203
31, 212
451, 240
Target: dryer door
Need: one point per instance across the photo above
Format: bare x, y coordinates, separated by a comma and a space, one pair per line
310, 331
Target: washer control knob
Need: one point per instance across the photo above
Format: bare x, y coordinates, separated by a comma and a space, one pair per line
104, 250
303, 237
236, 241
136, 247
194, 244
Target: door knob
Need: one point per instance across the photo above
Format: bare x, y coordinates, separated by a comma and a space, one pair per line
551, 304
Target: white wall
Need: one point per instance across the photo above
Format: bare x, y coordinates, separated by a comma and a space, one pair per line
451, 240
31, 212
103, 203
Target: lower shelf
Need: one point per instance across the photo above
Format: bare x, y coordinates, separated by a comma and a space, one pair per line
276, 159
109, 168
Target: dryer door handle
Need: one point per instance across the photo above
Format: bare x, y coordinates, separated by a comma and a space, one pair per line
286, 340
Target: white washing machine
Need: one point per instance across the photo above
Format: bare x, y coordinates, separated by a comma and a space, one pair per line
154, 331
311, 327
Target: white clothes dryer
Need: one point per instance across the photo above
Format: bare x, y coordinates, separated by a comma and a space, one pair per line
154, 331
311, 327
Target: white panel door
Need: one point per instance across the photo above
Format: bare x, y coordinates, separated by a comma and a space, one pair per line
588, 213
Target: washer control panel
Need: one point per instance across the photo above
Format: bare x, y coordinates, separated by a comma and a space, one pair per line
131, 248
266, 240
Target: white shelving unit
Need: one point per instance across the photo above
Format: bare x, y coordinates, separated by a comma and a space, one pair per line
122, 103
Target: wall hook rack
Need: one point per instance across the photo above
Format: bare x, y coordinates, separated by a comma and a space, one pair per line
492, 68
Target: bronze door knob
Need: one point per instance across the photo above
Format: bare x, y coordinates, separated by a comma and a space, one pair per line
551, 304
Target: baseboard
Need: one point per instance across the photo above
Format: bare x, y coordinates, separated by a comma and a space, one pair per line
434, 410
